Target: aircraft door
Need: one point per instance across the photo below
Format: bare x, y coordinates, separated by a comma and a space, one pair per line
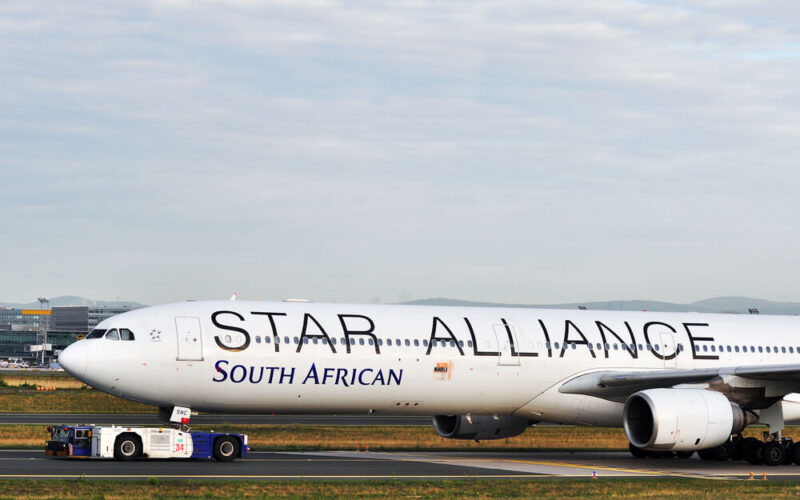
669, 349
506, 345
190, 339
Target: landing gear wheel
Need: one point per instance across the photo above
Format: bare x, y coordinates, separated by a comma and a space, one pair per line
773, 452
226, 449
127, 447
796, 453
637, 452
723, 452
684, 454
788, 452
751, 451
738, 449
707, 454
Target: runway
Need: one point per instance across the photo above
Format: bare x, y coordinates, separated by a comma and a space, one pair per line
346, 465
208, 419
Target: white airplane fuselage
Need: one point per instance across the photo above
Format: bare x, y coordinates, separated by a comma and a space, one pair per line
239, 356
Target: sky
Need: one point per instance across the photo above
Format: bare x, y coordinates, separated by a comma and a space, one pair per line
503, 151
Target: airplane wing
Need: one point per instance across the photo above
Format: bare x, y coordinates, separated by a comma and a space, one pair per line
758, 385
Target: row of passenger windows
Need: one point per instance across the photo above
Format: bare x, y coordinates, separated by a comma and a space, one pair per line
555, 345
113, 334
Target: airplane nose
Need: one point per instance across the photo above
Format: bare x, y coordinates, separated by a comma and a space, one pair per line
73, 360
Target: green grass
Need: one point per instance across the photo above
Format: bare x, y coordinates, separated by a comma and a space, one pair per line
25, 399
465, 488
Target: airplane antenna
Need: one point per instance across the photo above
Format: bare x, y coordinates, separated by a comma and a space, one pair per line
233, 297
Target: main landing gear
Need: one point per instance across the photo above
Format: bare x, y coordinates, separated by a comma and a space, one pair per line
773, 450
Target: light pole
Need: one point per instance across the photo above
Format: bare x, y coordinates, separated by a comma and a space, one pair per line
42, 302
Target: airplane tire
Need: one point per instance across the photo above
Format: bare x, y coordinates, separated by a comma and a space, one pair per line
751, 451
127, 447
707, 454
773, 453
796, 453
637, 452
226, 449
723, 452
738, 450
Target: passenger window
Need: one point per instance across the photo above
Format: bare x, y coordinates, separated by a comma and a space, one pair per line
266, 340
360, 341
760, 349
369, 341
388, 341
416, 343
768, 349
713, 349
783, 350
258, 339
408, 343
425, 342
736, 348
112, 335
125, 334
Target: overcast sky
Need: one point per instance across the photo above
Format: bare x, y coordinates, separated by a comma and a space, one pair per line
527, 152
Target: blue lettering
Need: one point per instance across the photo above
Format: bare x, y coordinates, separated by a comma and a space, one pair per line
233, 371
379, 377
290, 376
260, 374
312, 373
341, 372
326, 374
361, 375
220, 371
395, 376
271, 373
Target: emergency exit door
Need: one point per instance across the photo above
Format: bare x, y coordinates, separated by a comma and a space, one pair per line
190, 339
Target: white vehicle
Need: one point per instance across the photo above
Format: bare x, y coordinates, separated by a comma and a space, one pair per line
130, 443
15, 362
3, 363
675, 382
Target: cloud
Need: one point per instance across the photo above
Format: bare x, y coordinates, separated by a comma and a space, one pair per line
488, 150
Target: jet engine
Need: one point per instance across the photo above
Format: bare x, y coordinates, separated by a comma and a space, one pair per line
479, 426
681, 419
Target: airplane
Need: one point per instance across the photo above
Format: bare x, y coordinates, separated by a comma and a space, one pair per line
676, 382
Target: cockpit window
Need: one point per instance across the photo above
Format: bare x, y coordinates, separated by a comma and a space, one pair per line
96, 334
112, 335
125, 334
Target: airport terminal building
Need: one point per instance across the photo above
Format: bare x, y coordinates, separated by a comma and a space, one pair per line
23, 331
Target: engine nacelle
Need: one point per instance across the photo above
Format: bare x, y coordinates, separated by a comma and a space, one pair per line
681, 419
479, 426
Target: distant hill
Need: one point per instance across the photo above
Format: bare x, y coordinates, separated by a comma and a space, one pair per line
71, 300
734, 305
